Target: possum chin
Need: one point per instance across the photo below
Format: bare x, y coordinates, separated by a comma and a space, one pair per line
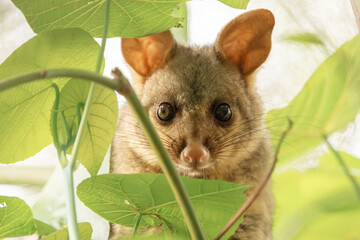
194, 172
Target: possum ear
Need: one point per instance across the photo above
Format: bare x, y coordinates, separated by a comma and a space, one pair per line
246, 41
146, 54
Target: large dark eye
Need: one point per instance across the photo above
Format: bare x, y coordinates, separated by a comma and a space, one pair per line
165, 112
223, 112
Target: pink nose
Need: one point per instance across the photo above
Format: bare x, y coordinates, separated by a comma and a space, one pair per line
195, 154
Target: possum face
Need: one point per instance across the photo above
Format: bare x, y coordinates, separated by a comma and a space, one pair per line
201, 100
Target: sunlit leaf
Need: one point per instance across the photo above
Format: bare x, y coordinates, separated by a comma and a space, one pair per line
327, 103
318, 204
120, 198
242, 4
101, 121
16, 218
25, 109
133, 18
85, 231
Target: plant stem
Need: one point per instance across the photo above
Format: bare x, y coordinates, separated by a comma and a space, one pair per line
258, 190
136, 226
70, 203
167, 166
344, 166
57, 73
69, 169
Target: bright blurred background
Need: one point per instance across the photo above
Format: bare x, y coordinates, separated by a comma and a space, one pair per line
302, 212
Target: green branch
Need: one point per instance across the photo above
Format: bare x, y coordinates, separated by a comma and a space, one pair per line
344, 166
58, 73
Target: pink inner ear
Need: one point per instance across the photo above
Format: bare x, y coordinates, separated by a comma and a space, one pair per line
246, 40
146, 54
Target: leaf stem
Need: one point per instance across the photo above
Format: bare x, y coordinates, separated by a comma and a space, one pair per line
136, 226
344, 166
167, 166
258, 190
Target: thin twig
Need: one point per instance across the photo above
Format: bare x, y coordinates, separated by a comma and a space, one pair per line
258, 190
356, 13
344, 166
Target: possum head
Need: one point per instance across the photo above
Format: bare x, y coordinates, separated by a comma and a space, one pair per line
201, 99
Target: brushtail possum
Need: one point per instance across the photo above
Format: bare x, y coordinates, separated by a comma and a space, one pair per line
204, 106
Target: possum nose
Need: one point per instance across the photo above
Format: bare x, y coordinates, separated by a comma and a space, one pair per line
195, 154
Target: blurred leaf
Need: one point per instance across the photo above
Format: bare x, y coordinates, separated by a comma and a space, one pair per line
318, 204
135, 18
305, 38
85, 230
241, 4
16, 218
120, 199
25, 109
43, 228
327, 103
329, 163
101, 121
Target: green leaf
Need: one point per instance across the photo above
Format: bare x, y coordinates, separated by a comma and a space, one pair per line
85, 230
135, 18
241, 4
327, 103
318, 204
101, 122
25, 110
305, 38
16, 218
43, 228
120, 198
